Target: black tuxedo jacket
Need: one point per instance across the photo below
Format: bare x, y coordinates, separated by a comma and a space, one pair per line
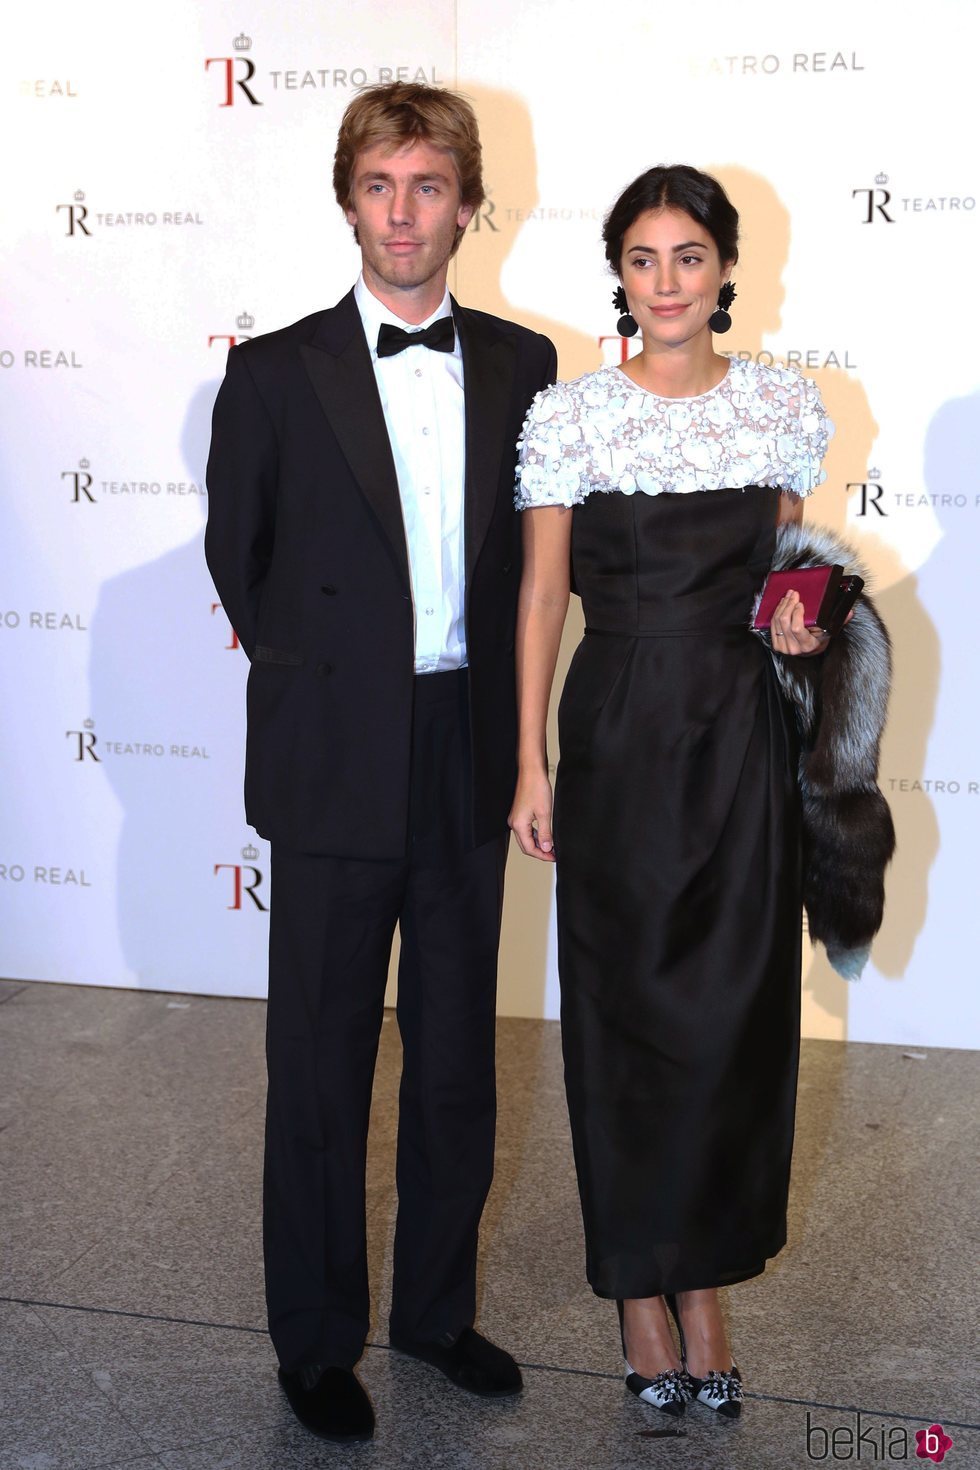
306, 545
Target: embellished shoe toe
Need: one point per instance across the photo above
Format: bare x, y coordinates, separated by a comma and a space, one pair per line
668, 1391
720, 1391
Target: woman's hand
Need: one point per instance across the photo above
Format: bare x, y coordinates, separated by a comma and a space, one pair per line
788, 632
530, 817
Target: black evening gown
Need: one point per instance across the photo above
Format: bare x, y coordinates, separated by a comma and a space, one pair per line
677, 838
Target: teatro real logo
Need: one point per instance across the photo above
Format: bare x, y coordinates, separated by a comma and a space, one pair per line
81, 220
484, 216
932, 785
871, 493
41, 357
235, 75
48, 87
86, 488
84, 742
771, 64
81, 483
873, 499
235, 72
52, 875
86, 745
233, 642
244, 323
77, 215
882, 204
47, 620
246, 879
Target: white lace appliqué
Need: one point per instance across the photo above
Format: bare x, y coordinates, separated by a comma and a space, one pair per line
759, 426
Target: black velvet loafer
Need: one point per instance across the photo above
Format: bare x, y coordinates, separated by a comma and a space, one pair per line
330, 1403
470, 1361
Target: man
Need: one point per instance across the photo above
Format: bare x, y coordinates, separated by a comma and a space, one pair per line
363, 541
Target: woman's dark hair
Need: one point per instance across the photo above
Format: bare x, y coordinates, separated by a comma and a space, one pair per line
677, 186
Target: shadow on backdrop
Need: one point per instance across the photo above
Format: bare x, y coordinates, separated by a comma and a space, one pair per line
165, 696
510, 171
766, 239
952, 447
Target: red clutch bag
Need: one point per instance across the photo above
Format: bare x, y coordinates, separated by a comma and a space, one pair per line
826, 593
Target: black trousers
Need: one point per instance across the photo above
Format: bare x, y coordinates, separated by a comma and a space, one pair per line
332, 925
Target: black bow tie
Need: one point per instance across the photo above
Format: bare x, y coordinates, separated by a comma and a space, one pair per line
441, 337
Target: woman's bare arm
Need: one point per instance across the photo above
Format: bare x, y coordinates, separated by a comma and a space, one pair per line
541, 608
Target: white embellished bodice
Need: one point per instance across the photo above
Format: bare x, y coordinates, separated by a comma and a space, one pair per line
759, 426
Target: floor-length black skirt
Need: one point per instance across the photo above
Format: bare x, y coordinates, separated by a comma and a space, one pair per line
678, 844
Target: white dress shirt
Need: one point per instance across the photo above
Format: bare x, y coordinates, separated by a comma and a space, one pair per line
422, 398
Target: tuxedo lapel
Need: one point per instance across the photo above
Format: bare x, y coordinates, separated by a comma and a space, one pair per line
488, 362
339, 365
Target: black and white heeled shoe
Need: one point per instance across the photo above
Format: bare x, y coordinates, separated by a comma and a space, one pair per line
718, 1390
669, 1391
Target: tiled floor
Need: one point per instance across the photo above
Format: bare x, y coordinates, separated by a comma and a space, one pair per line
131, 1291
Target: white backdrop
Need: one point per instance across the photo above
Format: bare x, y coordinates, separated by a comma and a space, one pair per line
168, 192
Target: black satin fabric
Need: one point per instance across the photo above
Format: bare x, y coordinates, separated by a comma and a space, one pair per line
677, 837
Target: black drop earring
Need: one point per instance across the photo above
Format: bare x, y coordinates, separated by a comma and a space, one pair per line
626, 326
720, 321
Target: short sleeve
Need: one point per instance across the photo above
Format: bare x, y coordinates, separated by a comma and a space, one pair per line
813, 433
552, 453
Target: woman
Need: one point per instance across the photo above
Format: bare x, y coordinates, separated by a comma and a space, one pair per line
677, 828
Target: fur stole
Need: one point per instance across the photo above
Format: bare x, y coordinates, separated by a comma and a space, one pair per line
840, 699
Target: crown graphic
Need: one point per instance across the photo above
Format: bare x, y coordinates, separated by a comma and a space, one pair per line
874, 474
244, 321
88, 724
881, 179
83, 464
79, 195
250, 853
242, 42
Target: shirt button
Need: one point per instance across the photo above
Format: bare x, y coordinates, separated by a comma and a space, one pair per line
425, 431
418, 372
428, 612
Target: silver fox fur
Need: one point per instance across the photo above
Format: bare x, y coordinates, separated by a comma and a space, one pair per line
840, 699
